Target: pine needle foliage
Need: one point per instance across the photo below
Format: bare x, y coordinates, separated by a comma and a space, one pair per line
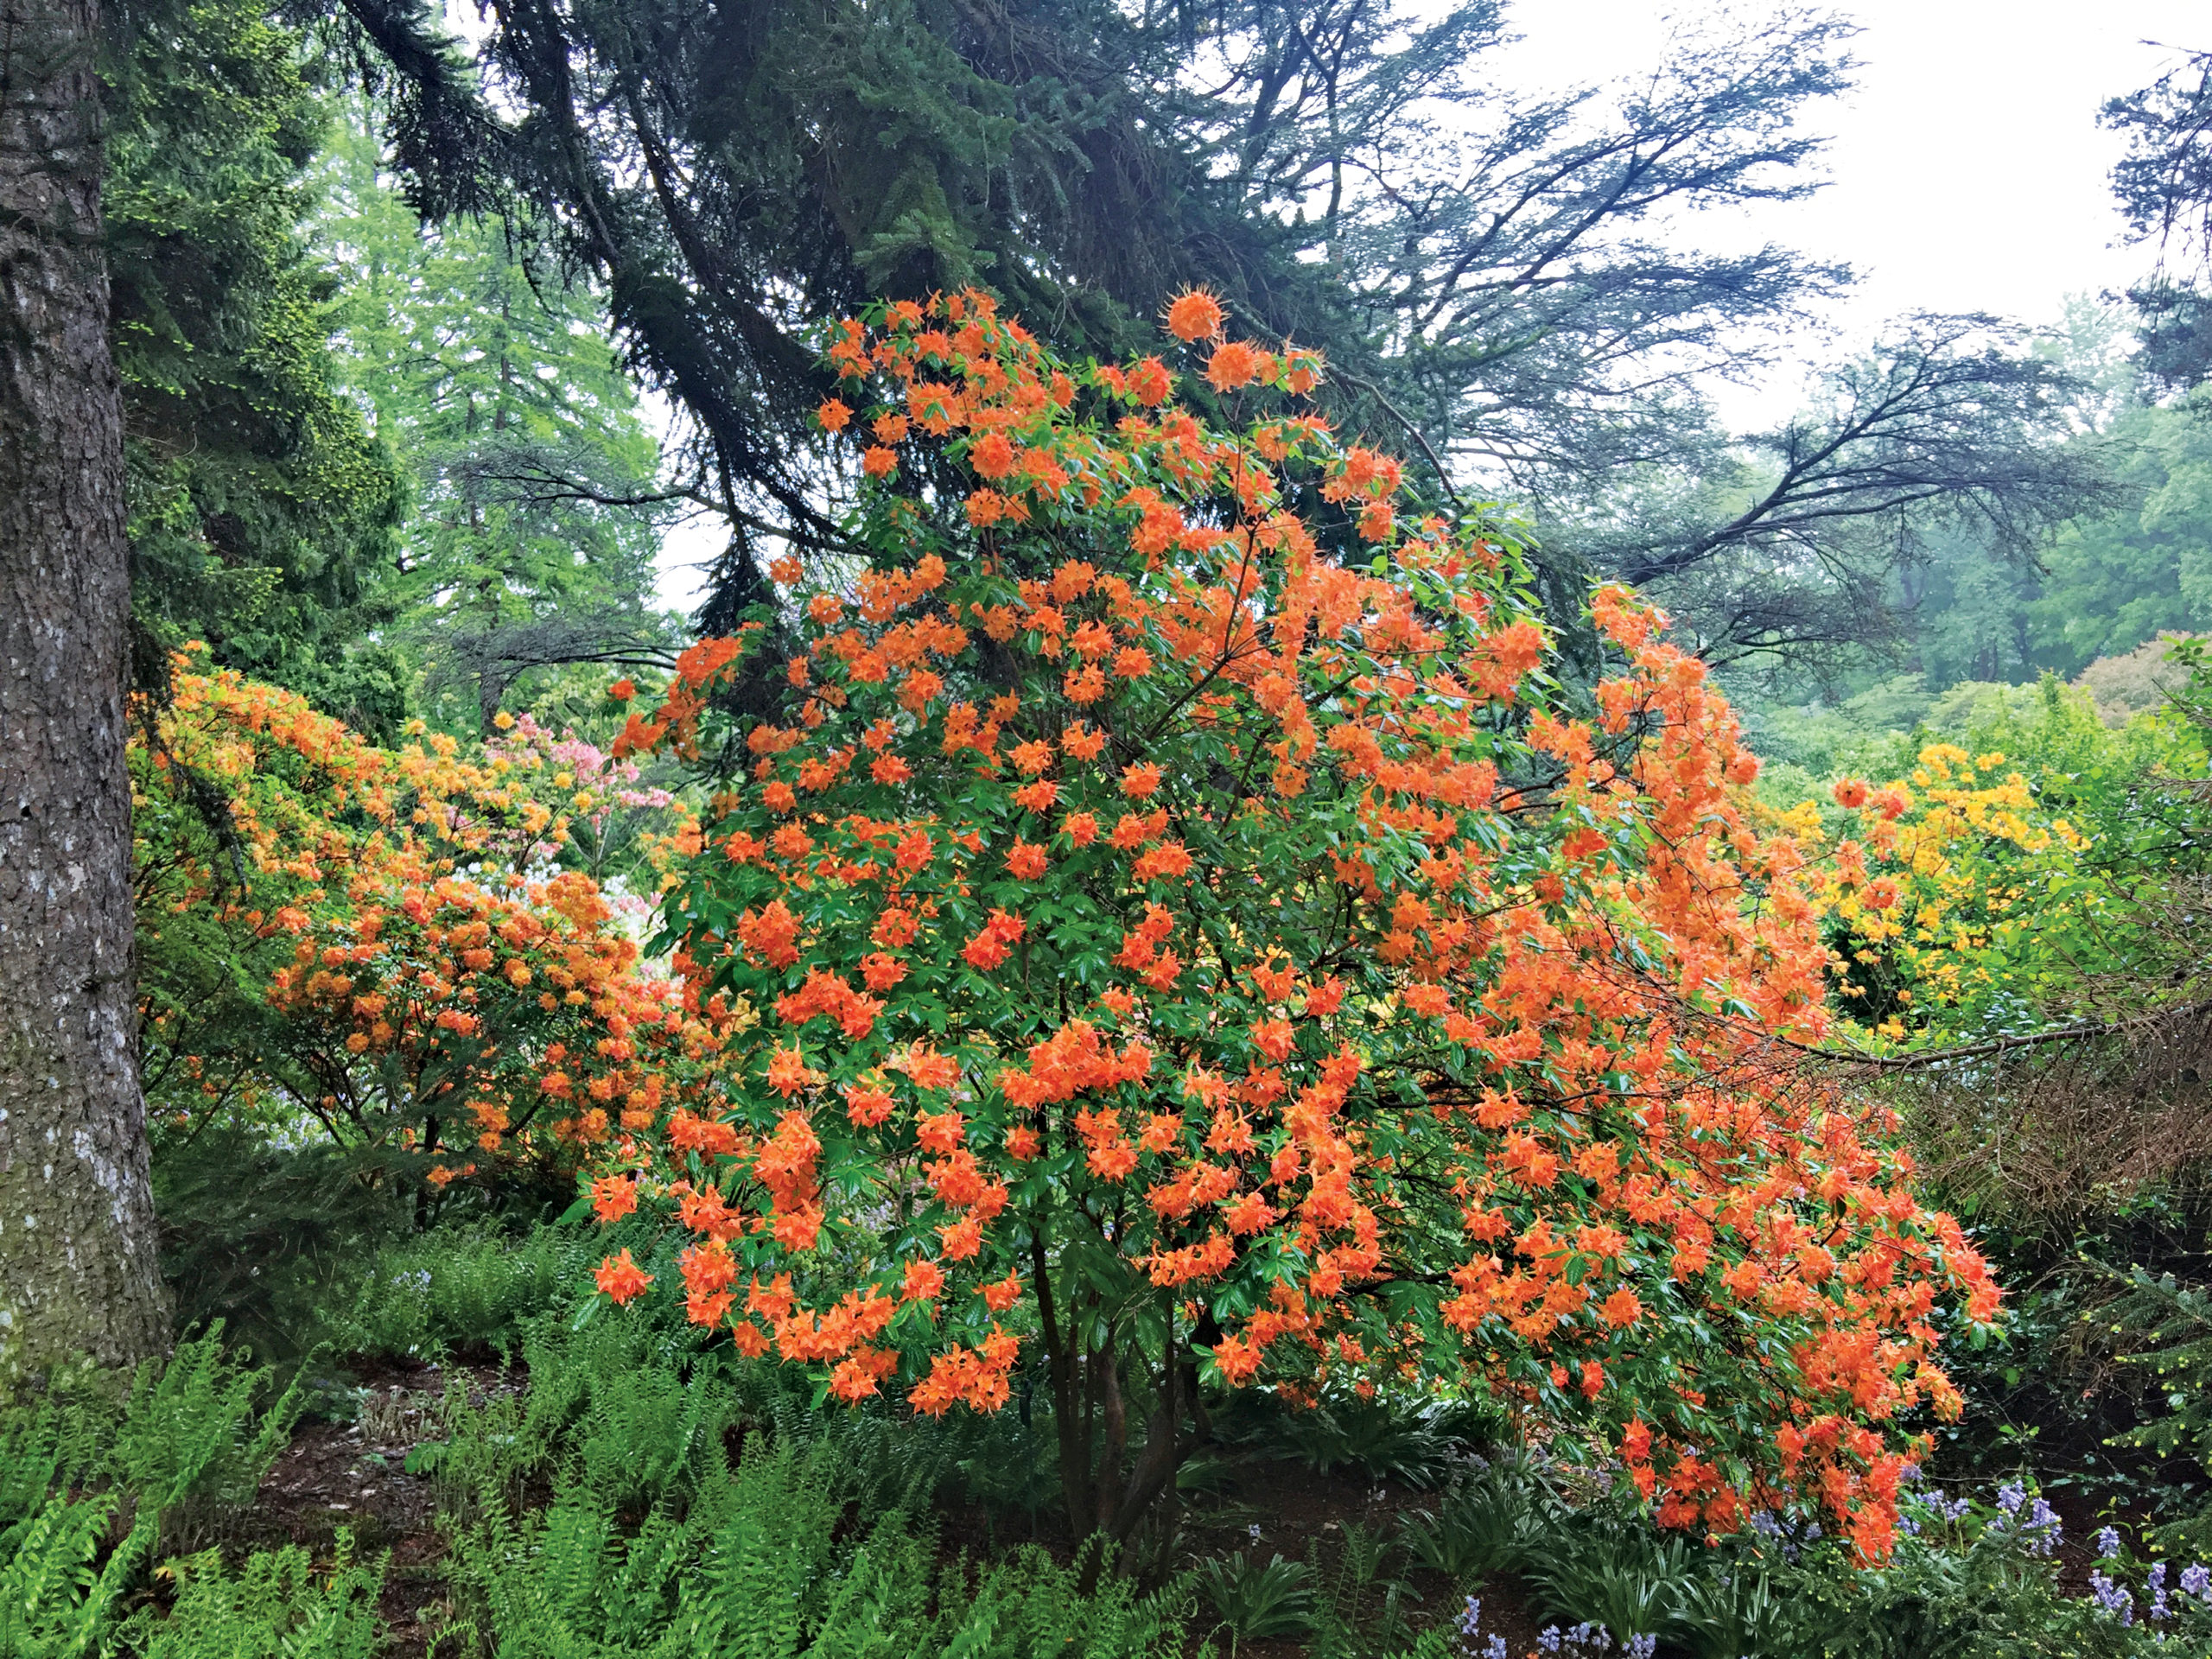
263, 1237
2172, 1322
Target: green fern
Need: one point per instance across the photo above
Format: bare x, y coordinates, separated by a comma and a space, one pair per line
275, 1606
1363, 1610
189, 1433
761, 1564
66, 1440
426, 1296
186, 1444
54, 1602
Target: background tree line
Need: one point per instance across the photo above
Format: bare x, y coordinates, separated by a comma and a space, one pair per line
1530, 327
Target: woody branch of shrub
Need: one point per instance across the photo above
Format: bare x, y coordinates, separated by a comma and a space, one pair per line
1161, 957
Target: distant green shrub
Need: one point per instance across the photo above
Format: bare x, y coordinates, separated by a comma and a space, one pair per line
455, 1288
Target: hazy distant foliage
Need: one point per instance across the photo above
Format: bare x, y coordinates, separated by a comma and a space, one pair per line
538, 511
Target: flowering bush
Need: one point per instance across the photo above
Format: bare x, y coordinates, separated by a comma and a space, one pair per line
1226, 957
382, 945
2012, 872
614, 822
1956, 873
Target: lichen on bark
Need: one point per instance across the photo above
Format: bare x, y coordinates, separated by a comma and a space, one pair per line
79, 1280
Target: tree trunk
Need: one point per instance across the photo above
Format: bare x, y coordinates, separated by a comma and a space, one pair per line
1103, 1505
78, 1277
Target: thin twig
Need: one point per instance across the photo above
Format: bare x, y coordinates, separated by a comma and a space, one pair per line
2076, 1033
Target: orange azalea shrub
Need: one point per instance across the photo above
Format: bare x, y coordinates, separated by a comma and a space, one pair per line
1220, 955
382, 943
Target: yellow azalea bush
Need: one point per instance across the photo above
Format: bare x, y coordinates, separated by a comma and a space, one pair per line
1986, 884
1952, 877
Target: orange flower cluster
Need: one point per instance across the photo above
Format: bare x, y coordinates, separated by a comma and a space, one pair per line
440, 983
1135, 879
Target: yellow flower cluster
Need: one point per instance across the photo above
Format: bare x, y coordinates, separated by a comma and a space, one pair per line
1929, 906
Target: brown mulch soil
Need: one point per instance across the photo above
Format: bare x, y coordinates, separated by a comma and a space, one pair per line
353, 1476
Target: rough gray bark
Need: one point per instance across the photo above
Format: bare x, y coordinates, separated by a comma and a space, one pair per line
78, 1277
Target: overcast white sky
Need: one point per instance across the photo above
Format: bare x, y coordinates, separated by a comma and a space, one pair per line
1969, 172
1967, 169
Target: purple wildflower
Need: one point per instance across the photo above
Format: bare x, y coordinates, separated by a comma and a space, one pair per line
2115, 1599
